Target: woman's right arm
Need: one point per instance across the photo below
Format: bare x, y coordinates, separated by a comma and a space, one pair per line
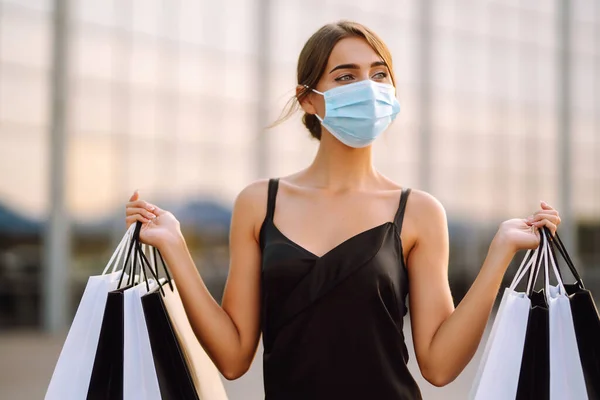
229, 333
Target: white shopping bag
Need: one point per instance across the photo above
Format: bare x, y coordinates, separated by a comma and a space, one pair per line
566, 373
139, 374
73, 369
498, 374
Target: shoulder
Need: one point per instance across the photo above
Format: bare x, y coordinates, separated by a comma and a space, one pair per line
424, 205
251, 204
254, 192
425, 216
420, 205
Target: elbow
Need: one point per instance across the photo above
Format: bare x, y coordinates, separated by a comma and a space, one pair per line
231, 374
437, 377
233, 371
438, 381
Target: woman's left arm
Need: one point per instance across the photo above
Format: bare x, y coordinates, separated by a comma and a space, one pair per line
446, 338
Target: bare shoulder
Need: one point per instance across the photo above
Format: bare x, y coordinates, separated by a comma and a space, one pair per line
420, 205
425, 215
424, 205
254, 192
251, 204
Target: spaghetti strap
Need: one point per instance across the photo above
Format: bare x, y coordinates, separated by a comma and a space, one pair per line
273, 186
401, 208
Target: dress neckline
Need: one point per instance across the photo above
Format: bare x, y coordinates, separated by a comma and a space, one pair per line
336, 247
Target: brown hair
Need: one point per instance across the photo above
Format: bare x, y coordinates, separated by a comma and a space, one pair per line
313, 61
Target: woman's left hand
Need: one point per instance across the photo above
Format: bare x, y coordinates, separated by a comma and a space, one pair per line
520, 234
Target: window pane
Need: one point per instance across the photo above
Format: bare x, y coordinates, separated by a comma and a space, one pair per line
25, 39
24, 97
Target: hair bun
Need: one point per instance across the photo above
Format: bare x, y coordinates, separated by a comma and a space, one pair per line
313, 125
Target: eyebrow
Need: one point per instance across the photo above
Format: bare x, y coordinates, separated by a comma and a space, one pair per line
355, 66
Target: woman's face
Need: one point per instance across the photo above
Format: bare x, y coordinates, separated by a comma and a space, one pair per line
352, 60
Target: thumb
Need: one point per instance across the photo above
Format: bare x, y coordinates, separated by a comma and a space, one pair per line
134, 196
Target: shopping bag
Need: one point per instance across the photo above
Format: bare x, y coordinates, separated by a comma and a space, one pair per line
587, 331
566, 374
71, 376
498, 373
107, 374
204, 373
140, 381
174, 377
106, 381
184, 369
586, 323
534, 375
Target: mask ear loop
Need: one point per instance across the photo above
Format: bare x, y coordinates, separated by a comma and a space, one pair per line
314, 90
322, 94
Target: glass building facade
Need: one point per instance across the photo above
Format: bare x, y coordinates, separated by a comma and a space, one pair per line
170, 96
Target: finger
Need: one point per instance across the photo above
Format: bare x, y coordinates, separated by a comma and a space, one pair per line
141, 204
157, 210
555, 219
539, 215
142, 211
547, 223
546, 206
135, 195
545, 211
133, 218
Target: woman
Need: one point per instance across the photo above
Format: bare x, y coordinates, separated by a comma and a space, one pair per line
322, 260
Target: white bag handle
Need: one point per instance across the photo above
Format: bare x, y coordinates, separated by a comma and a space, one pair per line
126, 243
546, 256
524, 267
119, 250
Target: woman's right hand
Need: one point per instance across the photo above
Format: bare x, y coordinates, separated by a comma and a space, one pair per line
159, 227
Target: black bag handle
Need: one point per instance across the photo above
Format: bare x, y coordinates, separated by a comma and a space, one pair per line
135, 247
146, 263
137, 229
556, 242
164, 264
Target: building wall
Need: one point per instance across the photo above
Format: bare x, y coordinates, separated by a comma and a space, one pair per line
164, 97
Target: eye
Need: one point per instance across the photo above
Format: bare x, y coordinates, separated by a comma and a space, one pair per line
380, 75
344, 78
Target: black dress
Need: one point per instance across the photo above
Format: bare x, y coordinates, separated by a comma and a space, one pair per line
332, 325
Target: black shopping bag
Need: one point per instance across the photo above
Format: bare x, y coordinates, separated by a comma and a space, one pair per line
534, 377
106, 382
174, 377
184, 369
586, 322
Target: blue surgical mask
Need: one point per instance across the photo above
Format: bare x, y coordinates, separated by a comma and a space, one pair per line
357, 113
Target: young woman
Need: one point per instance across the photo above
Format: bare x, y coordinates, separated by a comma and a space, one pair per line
322, 261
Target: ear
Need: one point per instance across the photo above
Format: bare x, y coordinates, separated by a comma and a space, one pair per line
306, 100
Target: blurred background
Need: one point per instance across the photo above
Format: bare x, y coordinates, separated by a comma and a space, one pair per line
500, 109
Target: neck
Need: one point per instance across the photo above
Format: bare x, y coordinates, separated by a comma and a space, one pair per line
339, 167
